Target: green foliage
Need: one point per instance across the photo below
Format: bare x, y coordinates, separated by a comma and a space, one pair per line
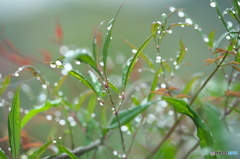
107, 114
14, 127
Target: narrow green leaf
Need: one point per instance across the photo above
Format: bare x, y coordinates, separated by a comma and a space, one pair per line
237, 7
145, 57
131, 62
190, 83
95, 83
211, 37
167, 66
113, 87
5, 84
3, 155
94, 44
234, 109
59, 84
82, 98
182, 52
86, 58
37, 154
38, 109
154, 83
167, 150
219, 40
14, 125
135, 100
204, 134
70, 154
91, 107
154, 28
108, 39
125, 116
83, 79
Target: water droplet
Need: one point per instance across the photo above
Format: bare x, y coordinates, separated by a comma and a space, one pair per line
177, 67
228, 37
158, 59
169, 31
54, 141
60, 93
188, 21
68, 67
139, 70
124, 128
109, 27
42, 97
55, 84
20, 68
115, 153
53, 65
172, 9
101, 64
103, 93
196, 26
78, 62
134, 51
58, 63
26, 111
175, 62
93, 115
62, 122
206, 39
170, 112
213, 4
59, 137
16, 74
48, 117
182, 26
164, 15
181, 14
63, 49
0, 75
73, 123
111, 37
44, 86
57, 113
163, 85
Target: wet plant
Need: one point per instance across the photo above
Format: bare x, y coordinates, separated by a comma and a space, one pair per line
150, 117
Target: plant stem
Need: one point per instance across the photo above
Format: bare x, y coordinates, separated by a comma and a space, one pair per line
208, 79
191, 150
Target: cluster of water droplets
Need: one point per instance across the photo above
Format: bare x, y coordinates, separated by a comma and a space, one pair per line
115, 153
57, 117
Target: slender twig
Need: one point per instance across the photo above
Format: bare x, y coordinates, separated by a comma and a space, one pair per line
78, 151
208, 79
191, 150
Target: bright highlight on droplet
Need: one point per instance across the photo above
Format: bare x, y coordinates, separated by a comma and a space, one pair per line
172, 9
213, 4
188, 21
181, 14
206, 39
134, 51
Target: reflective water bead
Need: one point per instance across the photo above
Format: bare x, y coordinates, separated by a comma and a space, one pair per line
48, 117
213, 4
59, 63
172, 9
181, 14
44, 86
134, 51
62, 122
53, 65
188, 21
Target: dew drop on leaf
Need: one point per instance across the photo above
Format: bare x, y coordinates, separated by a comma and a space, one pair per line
213, 4
172, 9
62, 122
53, 65
181, 14
115, 153
134, 51
206, 39
44, 86
48, 117
188, 21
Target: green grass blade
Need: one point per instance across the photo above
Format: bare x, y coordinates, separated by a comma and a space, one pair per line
113, 87
37, 154
84, 80
189, 85
42, 108
70, 154
3, 155
14, 125
96, 84
125, 116
108, 39
86, 58
234, 109
5, 84
167, 150
154, 83
182, 52
94, 44
90, 107
131, 62
219, 40
211, 37
82, 98
203, 132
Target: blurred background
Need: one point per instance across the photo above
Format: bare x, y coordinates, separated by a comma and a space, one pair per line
30, 27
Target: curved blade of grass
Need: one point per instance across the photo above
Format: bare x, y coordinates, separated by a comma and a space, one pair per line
182, 52
41, 108
59, 84
86, 58
131, 62
113, 87
167, 150
203, 132
82, 98
147, 59
190, 83
125, 116
96, 84
219, 40
90, 107
5, 84
37, 154
3, 155
70, 154
234, 109
211, 37
108, 39
95, 42
84, 80
154, 83
14, 125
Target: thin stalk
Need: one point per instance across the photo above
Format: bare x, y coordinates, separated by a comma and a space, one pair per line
191, 150
208, 79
